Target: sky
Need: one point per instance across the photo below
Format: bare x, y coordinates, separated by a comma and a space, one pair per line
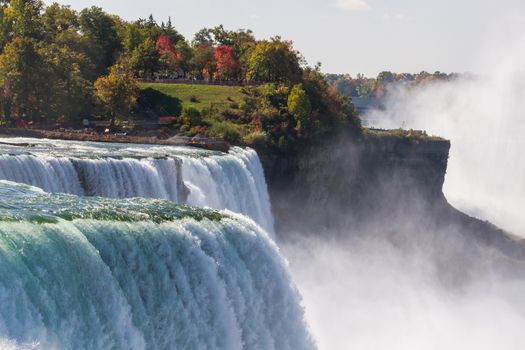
350, 36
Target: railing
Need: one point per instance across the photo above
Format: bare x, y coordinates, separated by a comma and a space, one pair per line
203, 82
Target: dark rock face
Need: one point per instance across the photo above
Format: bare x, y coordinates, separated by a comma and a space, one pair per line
347, 182
389, 189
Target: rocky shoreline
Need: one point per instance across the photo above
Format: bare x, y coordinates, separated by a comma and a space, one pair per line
214, 144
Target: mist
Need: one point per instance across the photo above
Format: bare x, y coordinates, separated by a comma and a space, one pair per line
484, 117
432, 288
371, 296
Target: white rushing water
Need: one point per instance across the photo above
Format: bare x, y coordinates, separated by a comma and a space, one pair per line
233, 181
98, 273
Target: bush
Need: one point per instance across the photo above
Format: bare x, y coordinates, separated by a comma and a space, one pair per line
191, 116
194, 99
228, 131
231, 114
256, 139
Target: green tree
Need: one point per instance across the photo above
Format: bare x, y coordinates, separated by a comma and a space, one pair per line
57, 19
366, 88
202, 63
151, 28
24, 76
171, 32
71, 94
274, 61
99, 29
300, 107
6, 100
117, 92
240, 39
6, 24
26, 18
145, 59
185, 52
203, 37
134, 36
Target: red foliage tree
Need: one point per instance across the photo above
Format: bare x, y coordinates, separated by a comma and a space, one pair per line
167, 50
228, 66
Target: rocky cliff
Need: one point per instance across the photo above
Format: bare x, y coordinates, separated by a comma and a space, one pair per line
347, 182
389, 188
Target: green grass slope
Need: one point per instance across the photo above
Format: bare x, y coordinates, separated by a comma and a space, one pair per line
173, 98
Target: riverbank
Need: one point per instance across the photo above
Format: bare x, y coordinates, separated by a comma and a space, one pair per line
214, 144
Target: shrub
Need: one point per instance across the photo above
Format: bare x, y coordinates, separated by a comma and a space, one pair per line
191, 116
231, 114
194, 99
227, 131
256, 139
184, 129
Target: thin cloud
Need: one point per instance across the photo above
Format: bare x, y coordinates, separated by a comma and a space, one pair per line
352, 5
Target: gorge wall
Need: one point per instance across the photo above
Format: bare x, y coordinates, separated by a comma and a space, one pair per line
387, 188
374, 178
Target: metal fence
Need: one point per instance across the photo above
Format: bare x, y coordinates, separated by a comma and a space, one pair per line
203, 82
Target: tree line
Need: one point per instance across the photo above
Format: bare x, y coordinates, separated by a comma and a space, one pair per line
364, 87
60, 64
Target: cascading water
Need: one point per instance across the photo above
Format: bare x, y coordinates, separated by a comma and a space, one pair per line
233, 181
100, 273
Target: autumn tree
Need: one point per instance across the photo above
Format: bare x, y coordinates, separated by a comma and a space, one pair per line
117, 92
170, 58
227, 65
165, 47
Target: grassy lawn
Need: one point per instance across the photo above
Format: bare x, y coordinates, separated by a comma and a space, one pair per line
174, 97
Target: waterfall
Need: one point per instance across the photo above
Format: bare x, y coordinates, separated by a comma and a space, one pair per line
101, 273
233, 181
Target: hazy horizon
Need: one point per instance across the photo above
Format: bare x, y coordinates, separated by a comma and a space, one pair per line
350, 36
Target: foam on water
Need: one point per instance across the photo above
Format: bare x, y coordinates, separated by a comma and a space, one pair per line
233, 180
100, 273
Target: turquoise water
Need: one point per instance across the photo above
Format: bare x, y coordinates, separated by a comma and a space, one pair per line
100, 273
233, 180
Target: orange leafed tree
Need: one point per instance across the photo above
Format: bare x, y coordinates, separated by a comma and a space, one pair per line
167, 50
228, 66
